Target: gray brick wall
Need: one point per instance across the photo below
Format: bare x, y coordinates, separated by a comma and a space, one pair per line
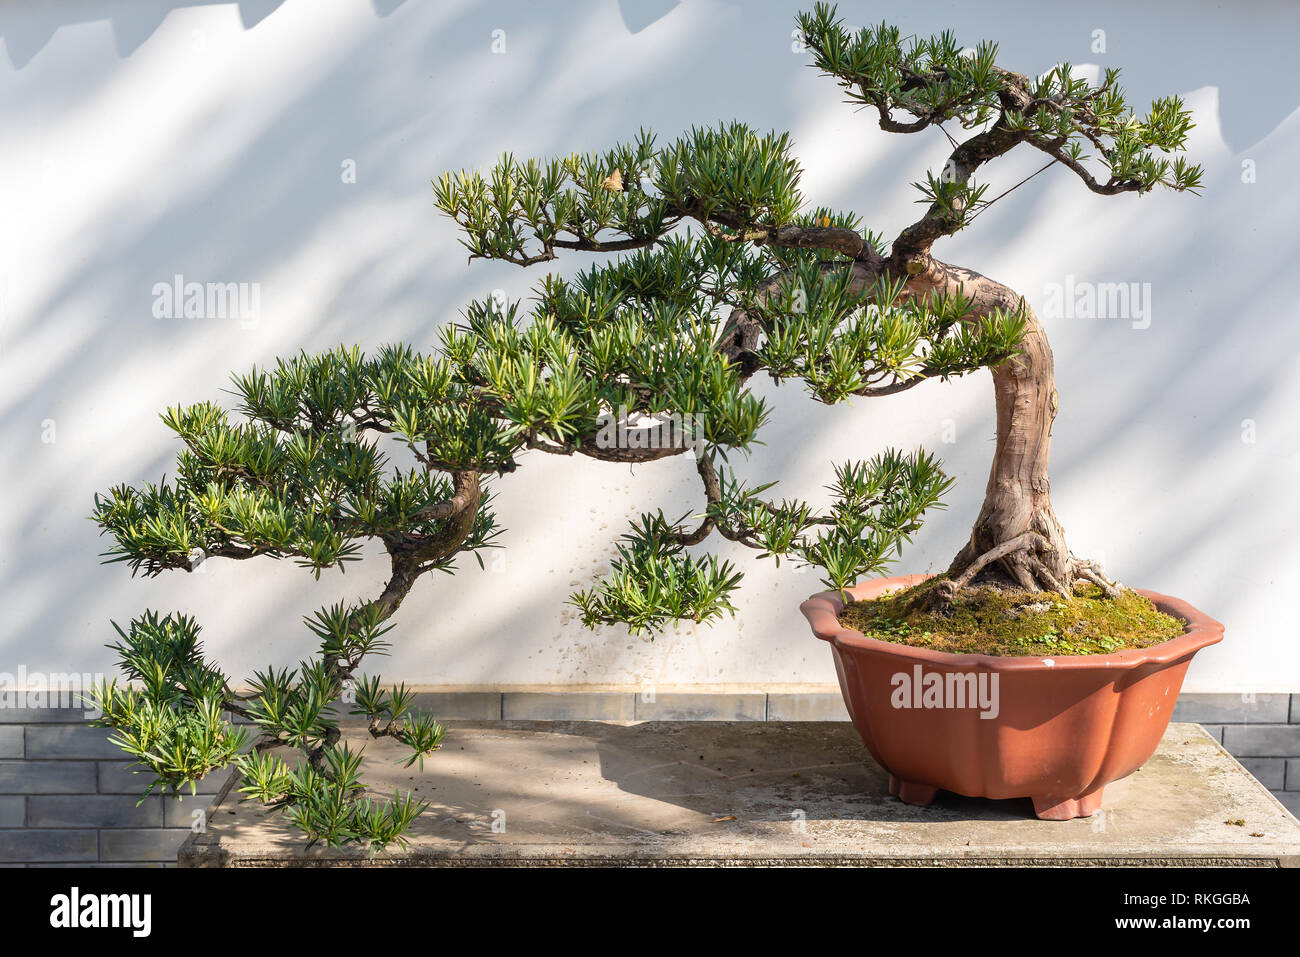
68, 797
1262, 731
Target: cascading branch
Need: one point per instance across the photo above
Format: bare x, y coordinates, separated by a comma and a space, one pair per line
296, 471
299, 475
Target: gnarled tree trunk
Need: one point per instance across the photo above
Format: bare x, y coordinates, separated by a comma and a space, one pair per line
1017, 499
1017, 538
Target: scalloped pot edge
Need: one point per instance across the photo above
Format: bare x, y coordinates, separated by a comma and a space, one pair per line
1056, 730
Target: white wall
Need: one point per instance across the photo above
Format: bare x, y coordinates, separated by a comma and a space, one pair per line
145, 139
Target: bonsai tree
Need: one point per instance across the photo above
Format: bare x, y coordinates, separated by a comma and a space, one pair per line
727, 273
811, 295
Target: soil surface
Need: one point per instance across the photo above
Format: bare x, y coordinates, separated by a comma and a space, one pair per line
994, 621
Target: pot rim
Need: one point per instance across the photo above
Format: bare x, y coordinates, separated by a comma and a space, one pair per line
823, 610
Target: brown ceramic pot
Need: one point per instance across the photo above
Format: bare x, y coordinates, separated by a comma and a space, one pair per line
1056, 730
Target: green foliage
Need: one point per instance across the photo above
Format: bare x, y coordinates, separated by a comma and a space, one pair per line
519, 207
348, 634
175, 721
626, 198
559, 378
931, 80
653, 582
876, 507
171, 720
843, 341
301, 476
731, 175
642, 336
955, 201
391, 712
177, 738
323, 801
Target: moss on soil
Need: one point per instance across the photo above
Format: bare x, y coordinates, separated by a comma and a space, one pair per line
989, 621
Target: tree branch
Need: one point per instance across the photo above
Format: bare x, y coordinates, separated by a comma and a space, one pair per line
466, 494
1109, 188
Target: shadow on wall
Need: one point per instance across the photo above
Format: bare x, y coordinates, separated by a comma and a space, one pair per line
122, 185
26, 34
133, 23
131, 28
1190, 56
639, 14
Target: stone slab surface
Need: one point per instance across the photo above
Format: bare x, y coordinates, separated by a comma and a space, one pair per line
752, 793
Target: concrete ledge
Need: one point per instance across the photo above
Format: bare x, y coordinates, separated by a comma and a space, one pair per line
828, 706
457, 705
701, 706
753, 793
800, 702
552, 706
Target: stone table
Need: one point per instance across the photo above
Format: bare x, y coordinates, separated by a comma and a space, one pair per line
661, 793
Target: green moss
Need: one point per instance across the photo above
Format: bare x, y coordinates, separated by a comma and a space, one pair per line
988, 621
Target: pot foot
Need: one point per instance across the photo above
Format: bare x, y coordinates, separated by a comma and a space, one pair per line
909, 792
1054, 809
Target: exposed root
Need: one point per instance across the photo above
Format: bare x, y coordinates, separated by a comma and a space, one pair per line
1022, 561
1045, 573
1087, 570
940, 597
1024, 542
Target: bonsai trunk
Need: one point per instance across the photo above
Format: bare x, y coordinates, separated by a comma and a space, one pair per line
1017, 540
1017, 500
